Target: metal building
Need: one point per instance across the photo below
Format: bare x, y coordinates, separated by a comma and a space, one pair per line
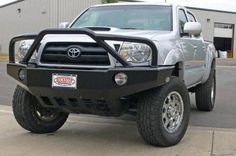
31, 16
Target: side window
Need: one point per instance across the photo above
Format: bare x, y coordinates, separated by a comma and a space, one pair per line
191, 17
182, 20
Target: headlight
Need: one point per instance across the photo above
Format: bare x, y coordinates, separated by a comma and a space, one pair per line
24, 47
136, 52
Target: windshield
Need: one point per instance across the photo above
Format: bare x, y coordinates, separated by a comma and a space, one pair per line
127, 17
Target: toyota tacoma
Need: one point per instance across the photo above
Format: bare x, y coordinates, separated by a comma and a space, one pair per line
138, 58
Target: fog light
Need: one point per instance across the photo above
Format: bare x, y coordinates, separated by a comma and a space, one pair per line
21, 74
121, 79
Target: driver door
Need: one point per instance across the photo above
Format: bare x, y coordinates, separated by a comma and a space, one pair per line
188, 49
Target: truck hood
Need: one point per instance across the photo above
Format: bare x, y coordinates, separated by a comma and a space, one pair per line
149, 34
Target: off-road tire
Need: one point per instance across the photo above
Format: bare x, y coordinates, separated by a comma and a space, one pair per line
149, 114
204, 100
25, 114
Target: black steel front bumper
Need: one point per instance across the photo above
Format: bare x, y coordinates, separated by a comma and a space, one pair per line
91, 84
96, 85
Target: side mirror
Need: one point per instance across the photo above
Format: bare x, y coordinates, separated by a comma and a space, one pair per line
64, 25
193, 28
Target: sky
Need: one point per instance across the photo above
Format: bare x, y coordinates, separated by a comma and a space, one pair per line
2, 2
224, 5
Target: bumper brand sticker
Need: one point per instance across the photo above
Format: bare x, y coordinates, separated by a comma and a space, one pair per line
64, 81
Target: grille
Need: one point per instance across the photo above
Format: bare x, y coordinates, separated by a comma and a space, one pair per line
91, 54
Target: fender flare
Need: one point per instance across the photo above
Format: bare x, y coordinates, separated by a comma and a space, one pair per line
175, 57
210, 61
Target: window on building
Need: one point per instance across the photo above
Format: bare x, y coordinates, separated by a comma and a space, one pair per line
223, 25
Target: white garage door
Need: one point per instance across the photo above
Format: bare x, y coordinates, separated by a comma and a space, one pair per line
223, 30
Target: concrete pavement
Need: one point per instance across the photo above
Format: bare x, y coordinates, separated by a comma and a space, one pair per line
226, 62
90, 135
7, 86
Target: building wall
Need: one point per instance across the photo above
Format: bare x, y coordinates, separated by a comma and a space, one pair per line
207, 18
31, 16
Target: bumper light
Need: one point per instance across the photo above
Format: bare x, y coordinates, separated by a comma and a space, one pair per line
21, 74
121, 79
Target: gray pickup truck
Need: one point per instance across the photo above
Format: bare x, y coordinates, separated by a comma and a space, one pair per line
136, 58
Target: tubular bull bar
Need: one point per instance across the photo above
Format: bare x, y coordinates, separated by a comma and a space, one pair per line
99, 38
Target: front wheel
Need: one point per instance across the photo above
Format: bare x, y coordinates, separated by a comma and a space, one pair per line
32, 116
163, 114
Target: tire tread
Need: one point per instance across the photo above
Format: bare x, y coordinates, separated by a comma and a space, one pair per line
23, 112
148, 113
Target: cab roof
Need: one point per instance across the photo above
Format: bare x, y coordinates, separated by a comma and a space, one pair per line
137, 3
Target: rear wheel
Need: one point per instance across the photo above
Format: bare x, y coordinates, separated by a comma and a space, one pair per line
206, 93
163, 114
32, 116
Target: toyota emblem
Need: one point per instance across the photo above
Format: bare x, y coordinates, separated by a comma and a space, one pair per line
73, 53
